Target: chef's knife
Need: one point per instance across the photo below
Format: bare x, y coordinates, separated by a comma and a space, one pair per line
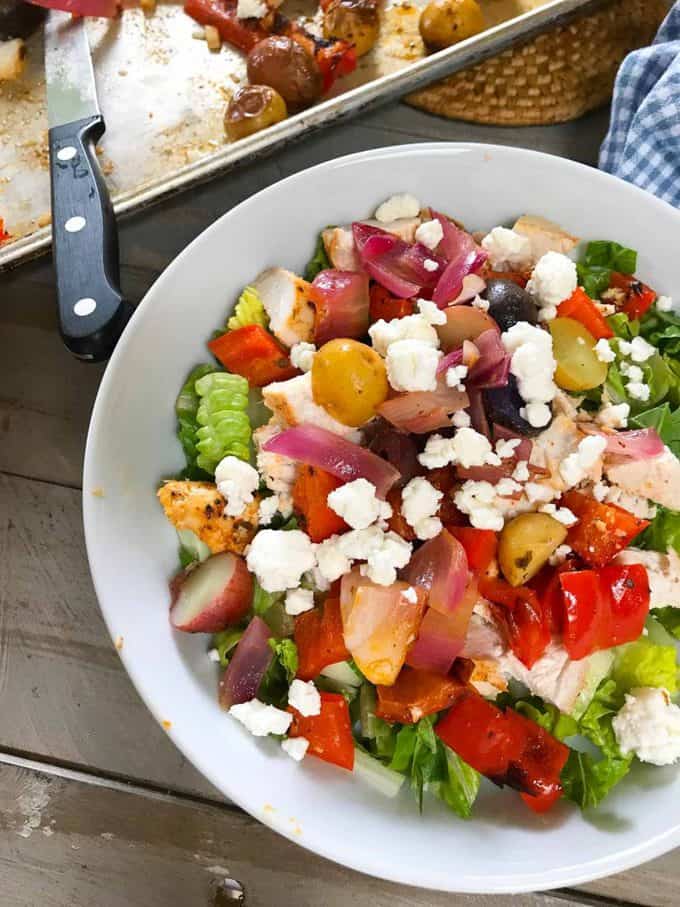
92, 311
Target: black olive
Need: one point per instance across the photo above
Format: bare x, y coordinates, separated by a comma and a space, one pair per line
509, 303
502, 406
19, 20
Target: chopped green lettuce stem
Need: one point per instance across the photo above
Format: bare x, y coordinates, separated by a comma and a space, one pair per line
248, 310
319, 261
645, 664
224, 425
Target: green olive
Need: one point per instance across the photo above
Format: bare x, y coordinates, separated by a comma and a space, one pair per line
578, 366
525, 545
355, 21
252, 108
446, 22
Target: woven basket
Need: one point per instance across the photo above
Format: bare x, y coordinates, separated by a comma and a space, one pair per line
556, 76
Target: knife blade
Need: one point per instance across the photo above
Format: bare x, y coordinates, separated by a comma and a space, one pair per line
92, 311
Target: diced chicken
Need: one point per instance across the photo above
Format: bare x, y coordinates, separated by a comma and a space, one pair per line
199, 506
487, 677
277, 471
663, 571
339, 245
404, 227
289, 302
544, 236
292, 403
554, 444
564, 405
12, 59
658, 478
483, 639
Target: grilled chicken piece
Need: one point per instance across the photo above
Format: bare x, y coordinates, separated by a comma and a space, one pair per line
292, 403
544, 236
339, 241
199, 506
278, 472
663, 571
289, 302
657, 479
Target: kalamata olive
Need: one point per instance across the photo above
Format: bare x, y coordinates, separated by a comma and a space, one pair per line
509, 303
445, 22
355, 21
286, 66
252, 108
502, 405
19, 20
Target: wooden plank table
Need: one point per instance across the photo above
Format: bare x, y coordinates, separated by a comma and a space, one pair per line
96, 805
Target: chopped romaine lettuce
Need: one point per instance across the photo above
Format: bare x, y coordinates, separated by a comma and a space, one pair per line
286, 652
600, 258
186, 409
662, 533
645, 664
223, 420
460, 788
225, 641
666, 422
669, 618
662, 330
319, 261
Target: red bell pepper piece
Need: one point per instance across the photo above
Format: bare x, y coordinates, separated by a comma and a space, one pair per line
222, 15
504, 746
546, 584
329, 733
480, 546
627, 590
543, 802
319, 639
415, 694
310, 492
525, 622
252, 352
384, 305
602, 529
581, 308
3, 233
639, 297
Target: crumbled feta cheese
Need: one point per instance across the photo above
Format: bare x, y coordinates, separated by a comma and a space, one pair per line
267, 509
356, 502
553, 279
559, 555
412, 365
298, 601
214, 655
396, 207
506, 448
461, 419
304, 697
507, 250
430, 234
521, 472
455, 376
236, 481
506, 487
575, 467
664, 304
561, 514
467, 447
613, 415
624, 347
279, 557
384, 552
638, 390
479, 303
603, 351
411, 327
430, 265
632, 372
640, 350
410, 595
536, 492
648, 725
261, 719
302, 356
389, 555
536, 414
419, 504
431, 312
278, 472
533, 365
477, 499
295, 747
547, 313
600, 491
251, 9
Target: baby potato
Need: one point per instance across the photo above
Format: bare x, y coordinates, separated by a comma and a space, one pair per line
349, 380
578, 367
525, 545
445, 22
252, 108
355, 21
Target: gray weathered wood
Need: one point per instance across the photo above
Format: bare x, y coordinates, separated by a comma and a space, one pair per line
65, 844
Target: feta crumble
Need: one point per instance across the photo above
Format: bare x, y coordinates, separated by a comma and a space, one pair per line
267, 510
304, 698
559, 555
412, 365
236, 481
261, 719
640, 350
613, 415
431, 312
461, 419
410, 595
479, 303
251, 9
536, 414
561, 514
648, 725
603, 351
533, 365
358, 505
521, 472
302, 356
575, 468
278, 558
214, 655
455, 376
412, 327
467, 447
506, 448
295, 747
632, 372
430, 265
430, 234
553, 279
507, 250
477, 500
384, 553
420, 502
664, 304
298, 601
396, 207
638, 390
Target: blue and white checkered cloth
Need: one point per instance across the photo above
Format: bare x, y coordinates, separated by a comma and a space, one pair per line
643, 142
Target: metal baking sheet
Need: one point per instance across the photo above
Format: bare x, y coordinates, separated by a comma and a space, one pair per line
163, 95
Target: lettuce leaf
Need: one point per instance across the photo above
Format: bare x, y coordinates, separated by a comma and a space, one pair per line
666, 422
545, 714
662, 330
600, 258
460, 788
248, 310
286, 652
669, 618
225, 641
319, 261
662, 533
655, 374
645, 664
623, 327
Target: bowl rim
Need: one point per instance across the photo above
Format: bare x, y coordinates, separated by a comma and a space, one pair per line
568, 875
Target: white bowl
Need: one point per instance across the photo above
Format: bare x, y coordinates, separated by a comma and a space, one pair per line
133, 550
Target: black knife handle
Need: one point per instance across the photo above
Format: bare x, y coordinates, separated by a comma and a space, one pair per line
92, 311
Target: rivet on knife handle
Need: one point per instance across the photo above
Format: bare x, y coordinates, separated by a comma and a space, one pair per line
85, 243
